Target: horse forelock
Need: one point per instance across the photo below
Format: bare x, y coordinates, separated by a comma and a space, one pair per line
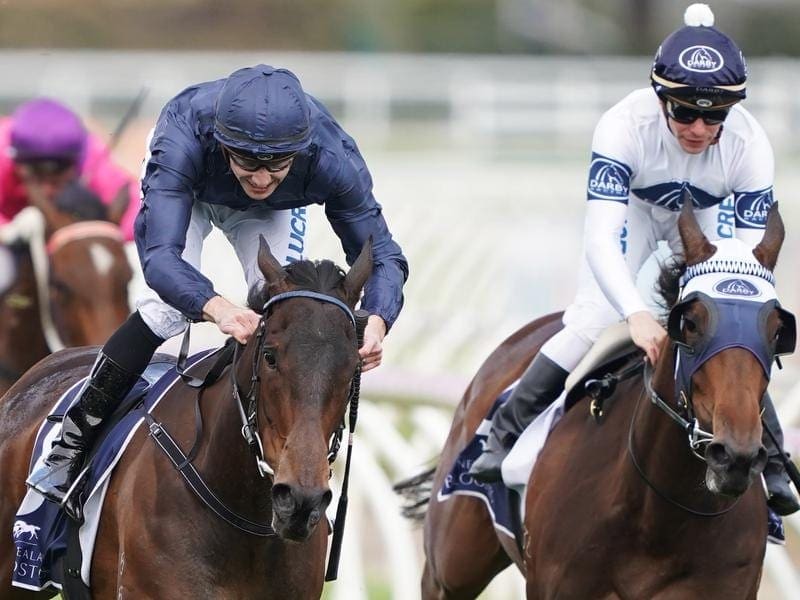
668, 283
322, 276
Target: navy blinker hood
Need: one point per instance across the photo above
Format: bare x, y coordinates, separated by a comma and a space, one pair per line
263, 111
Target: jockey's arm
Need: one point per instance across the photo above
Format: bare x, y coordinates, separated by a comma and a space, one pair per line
605, 220
752, 181
751, 210
355, 217
161, 226
231, 319
603, 228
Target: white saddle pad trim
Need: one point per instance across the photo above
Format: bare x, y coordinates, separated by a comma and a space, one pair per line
518, 465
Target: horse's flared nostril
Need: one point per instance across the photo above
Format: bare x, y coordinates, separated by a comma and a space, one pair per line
760, 460
326, 499
717, 455
283, 501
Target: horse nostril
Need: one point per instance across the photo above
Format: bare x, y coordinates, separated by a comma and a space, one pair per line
318, 504
283, 501
326, 499
717, 455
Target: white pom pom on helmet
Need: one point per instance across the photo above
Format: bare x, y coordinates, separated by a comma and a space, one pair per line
698, 15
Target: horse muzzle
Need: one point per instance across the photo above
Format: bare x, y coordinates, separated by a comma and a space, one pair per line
296, 511
732, 470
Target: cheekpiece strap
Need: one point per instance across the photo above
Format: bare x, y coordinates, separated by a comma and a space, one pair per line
729, 267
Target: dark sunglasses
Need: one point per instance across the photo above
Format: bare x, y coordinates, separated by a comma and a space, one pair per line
687, 115
48, 167
252, 164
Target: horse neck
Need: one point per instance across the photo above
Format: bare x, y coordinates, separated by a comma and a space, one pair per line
225, 459
662, 451
20, 317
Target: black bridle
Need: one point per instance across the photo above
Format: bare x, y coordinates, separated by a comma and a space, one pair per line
248, 404
247, 407
683, 352
697, 436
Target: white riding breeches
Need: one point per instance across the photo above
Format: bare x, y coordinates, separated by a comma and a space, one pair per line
591, 312
286, 232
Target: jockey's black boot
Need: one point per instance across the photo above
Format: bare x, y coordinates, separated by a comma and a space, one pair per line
539, 386
107, 385
114, 373
780, 496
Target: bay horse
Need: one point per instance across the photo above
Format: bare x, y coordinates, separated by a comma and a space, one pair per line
71, 287
623, 508
156, 539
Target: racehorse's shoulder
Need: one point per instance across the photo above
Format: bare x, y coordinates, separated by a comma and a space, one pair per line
506, 364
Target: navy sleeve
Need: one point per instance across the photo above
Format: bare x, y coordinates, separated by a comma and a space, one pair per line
355, 216
174, 166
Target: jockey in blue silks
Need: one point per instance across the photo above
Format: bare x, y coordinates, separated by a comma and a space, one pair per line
686, 131
246, 154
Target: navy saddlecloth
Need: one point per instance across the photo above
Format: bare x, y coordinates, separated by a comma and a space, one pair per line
40, 528
460, 482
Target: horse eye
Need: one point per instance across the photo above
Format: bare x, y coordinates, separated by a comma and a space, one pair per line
59, 287
690, 325
270, 358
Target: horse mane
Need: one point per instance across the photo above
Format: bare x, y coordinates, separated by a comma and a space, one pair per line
322, 276
81, 203
668, 282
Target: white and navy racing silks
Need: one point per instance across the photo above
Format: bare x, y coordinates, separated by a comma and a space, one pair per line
637, 160
634, 154
187, 166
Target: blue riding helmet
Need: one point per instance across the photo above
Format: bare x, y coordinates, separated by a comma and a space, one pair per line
698, 65
263, 112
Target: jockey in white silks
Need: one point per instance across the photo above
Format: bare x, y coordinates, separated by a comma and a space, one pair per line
686, 132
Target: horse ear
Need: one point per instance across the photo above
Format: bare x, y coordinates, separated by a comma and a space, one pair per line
119, 205
358, 274
696, 247
54, 219
770, 245
269, 265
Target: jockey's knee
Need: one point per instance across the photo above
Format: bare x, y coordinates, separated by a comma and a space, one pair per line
163, 320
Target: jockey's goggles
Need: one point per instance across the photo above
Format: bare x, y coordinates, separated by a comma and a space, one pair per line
686, 115
47, 167
274, 163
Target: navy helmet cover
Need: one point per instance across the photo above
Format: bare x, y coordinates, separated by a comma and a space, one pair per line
701, 67
263, 111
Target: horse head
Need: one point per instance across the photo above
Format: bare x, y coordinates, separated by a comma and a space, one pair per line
305, 357
727, 328
84, 286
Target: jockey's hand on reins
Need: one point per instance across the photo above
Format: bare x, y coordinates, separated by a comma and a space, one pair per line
232, 320
371, 351
646, 333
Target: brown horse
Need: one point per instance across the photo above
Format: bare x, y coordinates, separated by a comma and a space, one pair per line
156, 538
71, 289
624, 508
